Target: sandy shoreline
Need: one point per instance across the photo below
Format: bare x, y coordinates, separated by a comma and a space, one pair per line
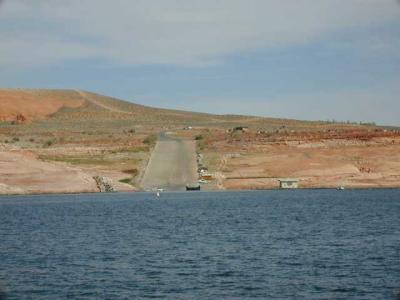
202, 191
374, 165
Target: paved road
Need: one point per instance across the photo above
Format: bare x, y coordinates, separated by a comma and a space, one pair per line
172, 165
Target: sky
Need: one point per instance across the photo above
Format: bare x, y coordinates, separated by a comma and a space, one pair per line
302, 59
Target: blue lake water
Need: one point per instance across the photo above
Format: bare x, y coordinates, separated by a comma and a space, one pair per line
315, 244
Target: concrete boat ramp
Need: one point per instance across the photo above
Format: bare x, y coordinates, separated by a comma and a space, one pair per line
172, 165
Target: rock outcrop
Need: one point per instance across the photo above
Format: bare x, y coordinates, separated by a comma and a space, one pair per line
104, 185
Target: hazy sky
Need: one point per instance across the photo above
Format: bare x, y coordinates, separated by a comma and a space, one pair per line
304, 59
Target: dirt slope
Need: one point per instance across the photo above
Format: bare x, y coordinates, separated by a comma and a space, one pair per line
30, 105
22, 173
35, 104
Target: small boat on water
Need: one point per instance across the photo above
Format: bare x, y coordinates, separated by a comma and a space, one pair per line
193, 187
158, 193
340, 188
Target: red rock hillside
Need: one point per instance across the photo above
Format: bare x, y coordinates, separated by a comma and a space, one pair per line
25, 105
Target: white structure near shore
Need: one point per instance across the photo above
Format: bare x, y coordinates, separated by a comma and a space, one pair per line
288, 183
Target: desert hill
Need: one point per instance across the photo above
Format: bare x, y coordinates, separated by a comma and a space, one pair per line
72, 107
35, 104
32, 105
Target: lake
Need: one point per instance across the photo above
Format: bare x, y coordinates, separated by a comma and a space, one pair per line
303, 244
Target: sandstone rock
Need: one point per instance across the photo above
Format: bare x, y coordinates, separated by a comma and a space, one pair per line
104, 184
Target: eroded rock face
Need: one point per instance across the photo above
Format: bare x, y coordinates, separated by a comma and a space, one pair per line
104, 184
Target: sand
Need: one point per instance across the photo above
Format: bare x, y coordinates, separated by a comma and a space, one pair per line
22, 173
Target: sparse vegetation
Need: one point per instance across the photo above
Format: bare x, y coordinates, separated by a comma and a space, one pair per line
150, 140
201, 145
77, 159
131, 149
368, 123
133, 172
49, 143
130, 180
90, 159
126, 180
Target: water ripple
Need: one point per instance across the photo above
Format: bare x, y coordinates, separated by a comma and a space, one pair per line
246, 245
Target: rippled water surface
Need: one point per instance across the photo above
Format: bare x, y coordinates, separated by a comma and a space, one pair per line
269, 244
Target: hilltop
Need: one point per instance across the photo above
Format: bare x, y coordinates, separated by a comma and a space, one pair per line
20, 105
35, 105
65, 106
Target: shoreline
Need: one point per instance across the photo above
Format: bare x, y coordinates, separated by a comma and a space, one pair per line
202, 191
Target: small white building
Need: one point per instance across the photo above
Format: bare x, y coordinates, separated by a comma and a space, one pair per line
288, 183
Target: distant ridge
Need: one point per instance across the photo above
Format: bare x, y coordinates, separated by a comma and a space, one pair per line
39, 104
72, 106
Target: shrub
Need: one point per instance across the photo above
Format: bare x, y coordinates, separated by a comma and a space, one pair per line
126, 180
48, 143
132, 172
198, 137
15, 139
150, 140
201, 146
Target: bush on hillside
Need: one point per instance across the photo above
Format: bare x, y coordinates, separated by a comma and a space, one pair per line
150, 140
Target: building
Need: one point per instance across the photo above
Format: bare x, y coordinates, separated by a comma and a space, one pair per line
288, 183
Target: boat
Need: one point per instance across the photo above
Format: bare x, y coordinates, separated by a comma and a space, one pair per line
158, 192
193, 187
